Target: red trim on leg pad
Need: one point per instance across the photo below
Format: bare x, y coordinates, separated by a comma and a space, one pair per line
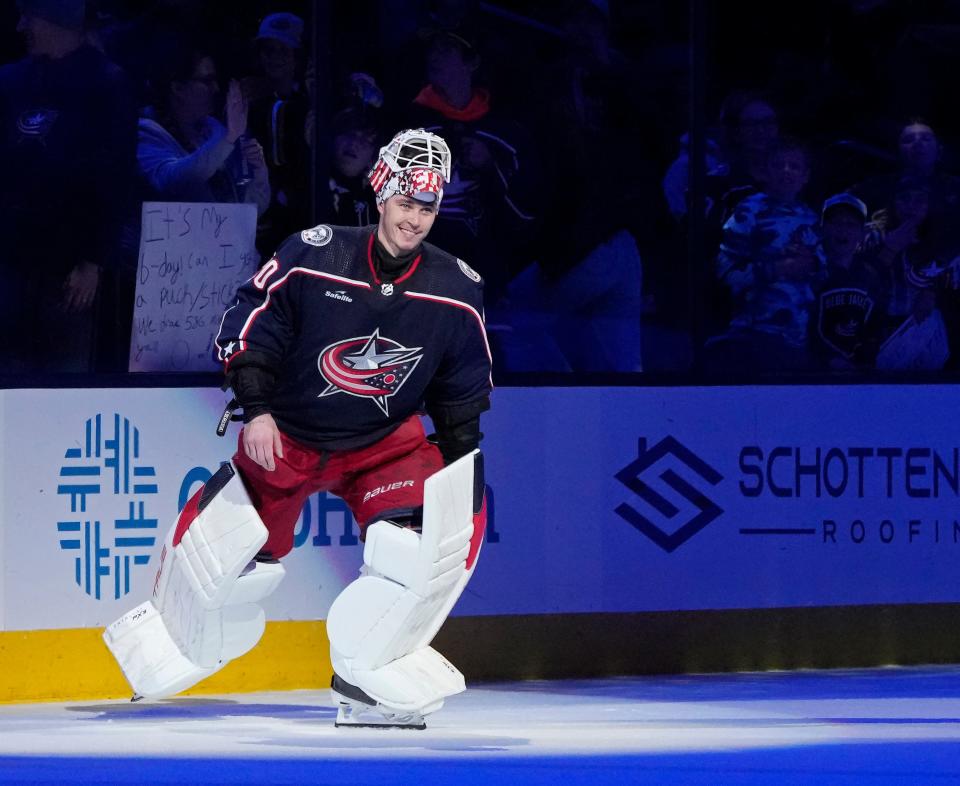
190, 511
479, 529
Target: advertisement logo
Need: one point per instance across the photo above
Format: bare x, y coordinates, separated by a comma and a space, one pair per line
659, 461
106, 487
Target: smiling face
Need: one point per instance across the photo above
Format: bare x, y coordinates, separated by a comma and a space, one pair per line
842, 232
404, 223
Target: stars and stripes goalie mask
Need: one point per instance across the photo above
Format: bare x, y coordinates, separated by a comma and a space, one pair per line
415, 163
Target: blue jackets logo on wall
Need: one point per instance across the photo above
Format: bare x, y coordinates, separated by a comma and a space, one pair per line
631, 477
113, 536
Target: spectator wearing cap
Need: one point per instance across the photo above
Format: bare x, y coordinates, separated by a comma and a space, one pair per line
278, 110
68, 126
846, 317
278, 42
842, 221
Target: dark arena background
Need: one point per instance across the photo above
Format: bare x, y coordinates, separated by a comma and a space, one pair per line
720, 247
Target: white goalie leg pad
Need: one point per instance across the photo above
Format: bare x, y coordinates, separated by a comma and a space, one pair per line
380, 626
150, 659
203, 612
243, 620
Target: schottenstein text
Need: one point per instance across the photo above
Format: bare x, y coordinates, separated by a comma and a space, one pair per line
909, 475
785, 471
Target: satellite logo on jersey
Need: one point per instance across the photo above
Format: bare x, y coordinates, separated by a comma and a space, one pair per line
106, 527
663, 460
370, 367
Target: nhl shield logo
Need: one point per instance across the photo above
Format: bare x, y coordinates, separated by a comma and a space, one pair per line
320, 235
371, 367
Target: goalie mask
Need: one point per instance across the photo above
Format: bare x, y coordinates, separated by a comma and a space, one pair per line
415, 163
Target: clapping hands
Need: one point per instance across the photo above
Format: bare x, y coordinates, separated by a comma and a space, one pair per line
236, 112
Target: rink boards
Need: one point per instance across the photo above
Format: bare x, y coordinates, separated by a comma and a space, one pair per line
644, 505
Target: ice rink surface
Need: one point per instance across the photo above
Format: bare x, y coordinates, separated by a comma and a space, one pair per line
882, 726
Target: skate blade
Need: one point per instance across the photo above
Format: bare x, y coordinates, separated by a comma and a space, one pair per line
350, 715
136, 697
385, 725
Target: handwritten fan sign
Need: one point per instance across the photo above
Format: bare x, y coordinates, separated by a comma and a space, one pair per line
193, 256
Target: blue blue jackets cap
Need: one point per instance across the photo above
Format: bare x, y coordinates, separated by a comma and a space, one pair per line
845, 200
283, 27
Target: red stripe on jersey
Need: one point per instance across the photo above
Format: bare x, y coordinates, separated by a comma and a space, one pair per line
409, 273
266, 302
373, 269
466, 307
345, 382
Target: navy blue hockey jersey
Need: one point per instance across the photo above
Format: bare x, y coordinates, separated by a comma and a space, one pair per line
354, 355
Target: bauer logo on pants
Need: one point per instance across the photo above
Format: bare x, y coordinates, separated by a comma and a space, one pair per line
106, 524
667, 454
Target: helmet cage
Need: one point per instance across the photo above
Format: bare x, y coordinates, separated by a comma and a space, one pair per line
412, 157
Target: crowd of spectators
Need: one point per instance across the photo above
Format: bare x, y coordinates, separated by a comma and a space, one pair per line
831, 233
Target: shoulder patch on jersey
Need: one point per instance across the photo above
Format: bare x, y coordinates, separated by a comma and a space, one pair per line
468, 271
320, 235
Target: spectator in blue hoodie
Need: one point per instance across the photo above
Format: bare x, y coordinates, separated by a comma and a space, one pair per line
768, 262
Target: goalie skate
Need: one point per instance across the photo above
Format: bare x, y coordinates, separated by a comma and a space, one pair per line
356, 709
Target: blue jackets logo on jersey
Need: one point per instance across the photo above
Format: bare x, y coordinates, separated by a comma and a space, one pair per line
37, 123
368, 367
